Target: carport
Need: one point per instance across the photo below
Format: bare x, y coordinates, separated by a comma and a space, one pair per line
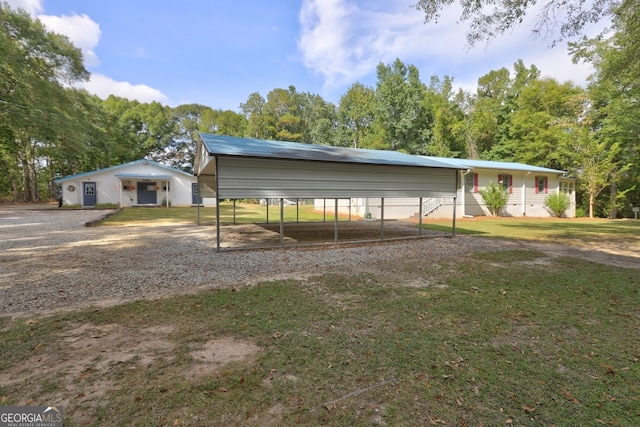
244, 168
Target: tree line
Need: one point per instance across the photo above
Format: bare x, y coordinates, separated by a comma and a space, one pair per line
49, 129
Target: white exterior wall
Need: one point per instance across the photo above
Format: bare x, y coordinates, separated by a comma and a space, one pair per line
240, 177
110, 188
523, 200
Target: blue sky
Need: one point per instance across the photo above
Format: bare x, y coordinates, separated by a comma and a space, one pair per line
218, 52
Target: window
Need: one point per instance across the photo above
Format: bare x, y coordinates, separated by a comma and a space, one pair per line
542, 184
566, 187
506, 181
471, 182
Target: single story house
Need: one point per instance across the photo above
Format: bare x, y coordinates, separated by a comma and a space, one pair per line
528, 186
138, 183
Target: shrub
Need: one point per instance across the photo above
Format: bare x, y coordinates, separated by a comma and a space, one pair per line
557, 203
495, 197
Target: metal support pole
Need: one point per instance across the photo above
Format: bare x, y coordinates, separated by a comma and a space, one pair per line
324, 210
335, 223
297, 210
267, 210
420, 219
281, 222
217, 221
453, 228
382, 218
455, 202
234, 211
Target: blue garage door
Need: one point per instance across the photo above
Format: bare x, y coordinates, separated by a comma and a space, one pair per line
147, 193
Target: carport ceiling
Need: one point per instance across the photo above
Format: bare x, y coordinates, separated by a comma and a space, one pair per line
232, 167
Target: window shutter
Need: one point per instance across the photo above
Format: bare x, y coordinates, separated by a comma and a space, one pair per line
546, 184
536, 184
475, 182
510, 183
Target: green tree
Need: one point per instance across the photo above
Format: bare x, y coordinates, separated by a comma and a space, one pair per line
443, 115
497, 101
255, 112
356, 113
491, 18
539, 124
399, 94
495, 197
35, 108
284, 115
615, 114
318, 119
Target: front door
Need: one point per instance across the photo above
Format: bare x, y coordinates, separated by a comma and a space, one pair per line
147, 193
195, 199
88, 194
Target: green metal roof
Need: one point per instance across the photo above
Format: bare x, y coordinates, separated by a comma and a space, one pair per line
221, 145
490, 164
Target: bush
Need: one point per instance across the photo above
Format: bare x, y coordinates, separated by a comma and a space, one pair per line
557, 203
495, 197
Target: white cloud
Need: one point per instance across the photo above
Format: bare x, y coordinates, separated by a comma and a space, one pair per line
83, 32
103, 86
30, 6
343, 42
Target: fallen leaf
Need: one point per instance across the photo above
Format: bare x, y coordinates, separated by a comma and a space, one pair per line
528, 408
570, 397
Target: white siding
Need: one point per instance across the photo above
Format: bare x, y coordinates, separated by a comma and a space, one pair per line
523, 200
109, 188
268, 178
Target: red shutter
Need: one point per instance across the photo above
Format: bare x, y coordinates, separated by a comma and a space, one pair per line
546, 184
475, 182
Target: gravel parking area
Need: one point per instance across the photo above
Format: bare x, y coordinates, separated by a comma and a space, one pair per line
51, 262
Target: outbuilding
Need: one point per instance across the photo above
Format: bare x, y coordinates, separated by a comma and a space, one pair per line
138, 183
238, 168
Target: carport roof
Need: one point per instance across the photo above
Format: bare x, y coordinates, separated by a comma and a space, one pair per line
221, 145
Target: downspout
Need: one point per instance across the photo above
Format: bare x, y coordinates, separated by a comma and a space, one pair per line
524, 193
463, 196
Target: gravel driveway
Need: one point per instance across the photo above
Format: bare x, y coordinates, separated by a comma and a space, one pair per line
49, 261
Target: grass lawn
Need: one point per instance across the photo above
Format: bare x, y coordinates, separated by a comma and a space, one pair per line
503, 338
242, 212
547, 229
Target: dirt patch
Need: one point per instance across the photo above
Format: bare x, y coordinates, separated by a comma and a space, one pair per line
219, 352
88, 355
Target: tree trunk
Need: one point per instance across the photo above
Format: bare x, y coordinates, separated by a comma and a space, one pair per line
613, 212
592, 199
